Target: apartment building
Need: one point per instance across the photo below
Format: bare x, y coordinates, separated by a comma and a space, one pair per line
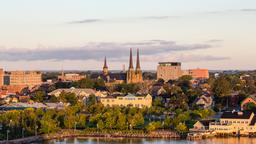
23, 78
169, 71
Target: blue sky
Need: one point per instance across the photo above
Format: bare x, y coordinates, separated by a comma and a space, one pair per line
77, 34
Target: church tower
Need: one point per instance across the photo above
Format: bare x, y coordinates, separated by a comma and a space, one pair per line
134, 76
130, 73
105, 67
138, 71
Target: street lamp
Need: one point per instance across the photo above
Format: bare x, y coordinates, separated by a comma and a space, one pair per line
23, 129
7, 135
75, 127
36, 130
8, 131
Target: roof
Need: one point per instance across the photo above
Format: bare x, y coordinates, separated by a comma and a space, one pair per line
236, 115
111, 76
206, 122
253, 121
24, 105
74, 90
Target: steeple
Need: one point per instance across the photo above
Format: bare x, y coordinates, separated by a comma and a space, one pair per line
105, 67
131, 61
105, 63
138, 60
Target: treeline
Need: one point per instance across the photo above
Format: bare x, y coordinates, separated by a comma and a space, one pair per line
29, 122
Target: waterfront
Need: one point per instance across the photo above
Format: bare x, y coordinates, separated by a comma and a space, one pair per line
243, 140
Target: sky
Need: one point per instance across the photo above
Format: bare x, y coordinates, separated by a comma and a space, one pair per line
78, 34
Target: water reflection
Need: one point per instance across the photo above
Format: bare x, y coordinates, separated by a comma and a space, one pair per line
152, 141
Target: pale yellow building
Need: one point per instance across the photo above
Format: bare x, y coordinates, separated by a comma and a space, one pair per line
71, 77
235, 123
129, 100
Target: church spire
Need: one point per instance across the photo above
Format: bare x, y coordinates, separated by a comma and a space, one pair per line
105, 63
105, 67
131, 61
138, 60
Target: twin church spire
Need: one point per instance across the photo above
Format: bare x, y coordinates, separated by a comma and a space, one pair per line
132, 76
137, 61
130, 61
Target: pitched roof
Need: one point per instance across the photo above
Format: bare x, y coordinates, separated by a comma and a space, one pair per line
206, 122
236, 115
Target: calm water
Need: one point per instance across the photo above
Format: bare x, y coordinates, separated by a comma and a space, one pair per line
153, 141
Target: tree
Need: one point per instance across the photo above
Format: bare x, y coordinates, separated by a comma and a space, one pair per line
121, 121
68, 98
185, 82
251, 106
81, 121
100, 125
48, 123
91, 100
221, 87
153, 126
86, 83
181, 128
38, 96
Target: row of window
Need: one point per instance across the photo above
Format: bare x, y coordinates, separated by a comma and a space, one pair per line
242, 122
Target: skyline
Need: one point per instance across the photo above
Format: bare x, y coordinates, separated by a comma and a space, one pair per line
46, 35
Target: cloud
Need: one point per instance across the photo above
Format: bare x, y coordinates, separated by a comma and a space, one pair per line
96, 51
85, 21
198, 58
248, 10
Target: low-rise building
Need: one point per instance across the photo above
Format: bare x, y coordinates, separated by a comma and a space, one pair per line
71, 77
128, 100
204, 101
248, 100
237, 123
199, 73
78, 92
201, 126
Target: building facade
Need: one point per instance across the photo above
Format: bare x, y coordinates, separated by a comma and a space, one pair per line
237, 123
71, 77
24, 78
134, 76
199, 73
1, 77
129, 100
130, 76
169, 71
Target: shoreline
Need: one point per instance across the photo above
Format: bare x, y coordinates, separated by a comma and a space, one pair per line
79, 134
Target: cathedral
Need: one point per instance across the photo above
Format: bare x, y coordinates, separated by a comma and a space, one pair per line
130, 76
134, 76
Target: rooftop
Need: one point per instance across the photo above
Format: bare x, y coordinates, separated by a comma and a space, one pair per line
236, 115
170, 63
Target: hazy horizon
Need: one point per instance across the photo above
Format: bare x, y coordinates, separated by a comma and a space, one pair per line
78, 34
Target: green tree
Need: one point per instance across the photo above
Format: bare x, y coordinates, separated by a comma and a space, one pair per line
221, 87
181, 128
48, 123
38, 96
68, 98
121, 121
86, 83
152, 126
